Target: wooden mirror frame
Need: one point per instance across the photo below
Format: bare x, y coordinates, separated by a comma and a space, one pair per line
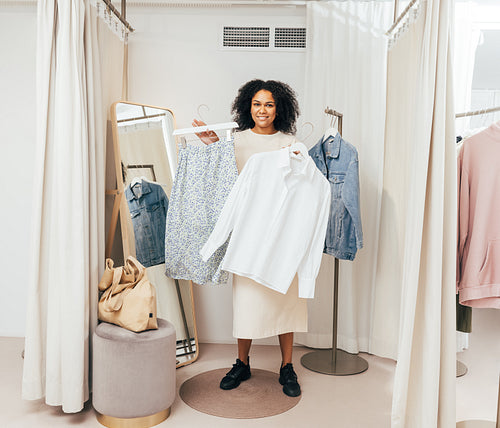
120, 208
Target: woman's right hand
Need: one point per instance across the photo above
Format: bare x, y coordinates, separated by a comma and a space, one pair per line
207, 137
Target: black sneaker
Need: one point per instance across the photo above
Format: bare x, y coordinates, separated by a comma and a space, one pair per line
238, 373
288, 378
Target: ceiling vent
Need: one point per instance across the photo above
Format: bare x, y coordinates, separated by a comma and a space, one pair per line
264, 38
290, 38
246, 37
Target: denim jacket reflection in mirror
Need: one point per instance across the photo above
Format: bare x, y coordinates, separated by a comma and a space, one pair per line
338, 162
148, 205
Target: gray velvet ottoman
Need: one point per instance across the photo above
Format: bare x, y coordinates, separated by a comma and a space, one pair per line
133, 380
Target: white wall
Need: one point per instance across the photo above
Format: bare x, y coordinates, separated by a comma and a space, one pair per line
17, 141
176, 62
175, 59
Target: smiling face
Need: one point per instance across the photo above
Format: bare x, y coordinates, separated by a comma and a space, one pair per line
263, 112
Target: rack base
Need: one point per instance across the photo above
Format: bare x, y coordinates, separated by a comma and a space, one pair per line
322, 361
461, 369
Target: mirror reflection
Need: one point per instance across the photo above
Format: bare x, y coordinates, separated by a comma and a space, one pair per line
145, 159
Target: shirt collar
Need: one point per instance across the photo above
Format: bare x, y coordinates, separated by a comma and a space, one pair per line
331, 146
144, 189
284, 160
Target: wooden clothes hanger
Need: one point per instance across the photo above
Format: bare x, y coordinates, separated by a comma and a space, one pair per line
213, 127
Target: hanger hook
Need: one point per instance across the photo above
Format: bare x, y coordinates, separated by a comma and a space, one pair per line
199, 112
333, 116
310, 133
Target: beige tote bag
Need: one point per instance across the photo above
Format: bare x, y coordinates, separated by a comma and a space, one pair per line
129, 299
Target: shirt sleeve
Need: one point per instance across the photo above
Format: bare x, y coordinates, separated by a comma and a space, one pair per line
229, 213
350, 197
463, 212
309, 266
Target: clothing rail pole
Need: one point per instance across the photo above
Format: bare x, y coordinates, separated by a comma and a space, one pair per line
478, 112
336, 283
334, 361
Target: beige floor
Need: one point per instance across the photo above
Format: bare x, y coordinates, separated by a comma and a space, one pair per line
362, 401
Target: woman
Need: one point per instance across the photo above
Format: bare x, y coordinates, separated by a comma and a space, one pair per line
266, 112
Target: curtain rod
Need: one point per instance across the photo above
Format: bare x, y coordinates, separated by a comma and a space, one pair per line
400, 17
478, 112
118, 14
108, 3
216, 3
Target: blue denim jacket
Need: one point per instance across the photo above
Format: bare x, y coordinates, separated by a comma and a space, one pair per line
338, 162
148, 205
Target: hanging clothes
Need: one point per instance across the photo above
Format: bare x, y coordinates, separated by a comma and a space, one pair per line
478, 253
338, 162
148, 205
277, 213
203, 180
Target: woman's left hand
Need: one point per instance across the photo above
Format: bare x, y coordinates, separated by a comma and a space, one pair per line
208, 137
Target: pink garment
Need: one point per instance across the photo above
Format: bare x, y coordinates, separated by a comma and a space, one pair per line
478, 258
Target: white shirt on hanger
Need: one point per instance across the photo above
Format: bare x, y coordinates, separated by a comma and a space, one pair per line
277, 212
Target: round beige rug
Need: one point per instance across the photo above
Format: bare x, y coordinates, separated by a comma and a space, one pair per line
258, 397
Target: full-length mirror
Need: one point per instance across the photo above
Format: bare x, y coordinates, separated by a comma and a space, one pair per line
145, 162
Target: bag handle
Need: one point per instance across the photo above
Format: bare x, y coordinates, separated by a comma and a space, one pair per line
124, 277
107, 276
134, 265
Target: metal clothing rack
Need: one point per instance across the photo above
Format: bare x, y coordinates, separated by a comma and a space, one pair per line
479, 423
461, 367
334, 361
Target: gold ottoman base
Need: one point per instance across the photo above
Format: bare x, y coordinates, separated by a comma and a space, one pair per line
142, 422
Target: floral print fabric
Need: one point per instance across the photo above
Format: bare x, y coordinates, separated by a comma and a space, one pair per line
203, 180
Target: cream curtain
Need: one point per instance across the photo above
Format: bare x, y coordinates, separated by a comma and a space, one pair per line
68, 228
346, 70
466, 39
466, 36
419, 217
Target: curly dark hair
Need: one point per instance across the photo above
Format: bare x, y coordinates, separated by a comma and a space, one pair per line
287, 107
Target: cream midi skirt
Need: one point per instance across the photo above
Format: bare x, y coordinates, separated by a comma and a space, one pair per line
261, 312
